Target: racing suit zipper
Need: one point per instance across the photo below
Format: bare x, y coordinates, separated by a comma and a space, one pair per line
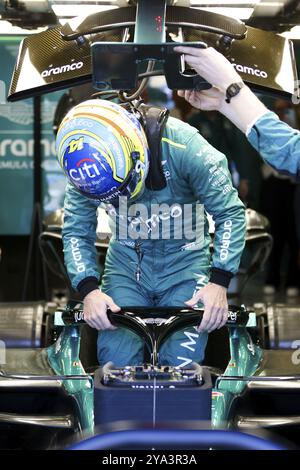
140, 254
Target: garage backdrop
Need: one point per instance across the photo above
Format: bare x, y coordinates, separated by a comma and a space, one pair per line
16, 151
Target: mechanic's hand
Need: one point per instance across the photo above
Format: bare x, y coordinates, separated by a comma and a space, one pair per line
95, 305
211, 65
206, 100
215, 303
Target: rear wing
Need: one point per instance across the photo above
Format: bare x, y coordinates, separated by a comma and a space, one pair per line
106, 48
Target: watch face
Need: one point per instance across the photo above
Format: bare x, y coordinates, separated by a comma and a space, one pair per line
234, 89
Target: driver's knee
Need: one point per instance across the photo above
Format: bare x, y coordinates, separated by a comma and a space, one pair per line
121, 346
183, 348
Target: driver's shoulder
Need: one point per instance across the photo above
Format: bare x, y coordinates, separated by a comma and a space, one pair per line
181, 136
178, 133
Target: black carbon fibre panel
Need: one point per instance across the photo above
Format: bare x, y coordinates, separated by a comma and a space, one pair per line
264, 60
267, 62
174, 16
120, 16
48, 63
207, 20
48, 52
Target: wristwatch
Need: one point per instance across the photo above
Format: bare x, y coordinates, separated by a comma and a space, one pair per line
233, 90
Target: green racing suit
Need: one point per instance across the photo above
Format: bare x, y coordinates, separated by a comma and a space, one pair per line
159, 252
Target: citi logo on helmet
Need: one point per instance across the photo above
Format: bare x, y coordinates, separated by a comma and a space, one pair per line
62, 69
250, 70
84, 172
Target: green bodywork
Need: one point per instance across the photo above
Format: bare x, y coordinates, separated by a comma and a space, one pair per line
245, 357
64, 359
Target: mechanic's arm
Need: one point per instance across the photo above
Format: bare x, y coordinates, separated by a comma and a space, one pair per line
79, 236
276, 141
207, 172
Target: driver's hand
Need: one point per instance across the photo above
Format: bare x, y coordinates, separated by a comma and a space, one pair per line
95, 305
215, 303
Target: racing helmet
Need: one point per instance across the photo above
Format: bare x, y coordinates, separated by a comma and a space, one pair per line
103, 150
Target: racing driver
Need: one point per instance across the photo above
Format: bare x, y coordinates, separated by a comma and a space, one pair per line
159, 251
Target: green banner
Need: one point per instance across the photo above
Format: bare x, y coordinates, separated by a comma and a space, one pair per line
16, 152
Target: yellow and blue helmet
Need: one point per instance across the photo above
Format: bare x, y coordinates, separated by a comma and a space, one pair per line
103, 150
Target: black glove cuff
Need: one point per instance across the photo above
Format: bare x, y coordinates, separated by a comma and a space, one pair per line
220, 277
87, 285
